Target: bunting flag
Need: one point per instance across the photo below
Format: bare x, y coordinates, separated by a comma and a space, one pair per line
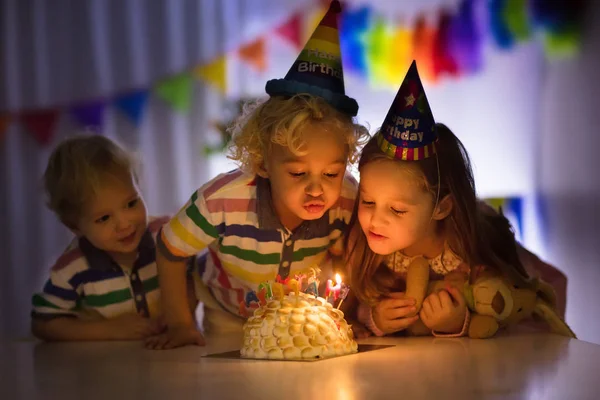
423, 49
254, 54
399, 60
132, 104
5, 120
378, 44
512, 208
466, 43
372, 47
516, 18
40, 123
354, 26
444, 62
214, 73
176, 90
291, 30
89, 114
500, 32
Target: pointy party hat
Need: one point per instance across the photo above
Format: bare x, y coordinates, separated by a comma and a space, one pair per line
318, 68
408, 131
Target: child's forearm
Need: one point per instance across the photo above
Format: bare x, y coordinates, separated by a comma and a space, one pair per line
173, 288
72, 329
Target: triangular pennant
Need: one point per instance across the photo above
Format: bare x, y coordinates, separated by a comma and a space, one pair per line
40, 123
443, 58
500, 32
399, 59
176, 90
89, 114
214, 73
5, 120
291, 30
424, 38
466, 39
254, 54
354, 26
378, 46
517, 19
132, 104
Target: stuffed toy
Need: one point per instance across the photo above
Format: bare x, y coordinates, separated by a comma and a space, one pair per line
495, 302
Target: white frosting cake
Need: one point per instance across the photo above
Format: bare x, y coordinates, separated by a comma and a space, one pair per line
297, 329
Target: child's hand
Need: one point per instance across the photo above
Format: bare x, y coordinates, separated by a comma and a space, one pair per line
175, 337
133, 327
444, 311
390, 314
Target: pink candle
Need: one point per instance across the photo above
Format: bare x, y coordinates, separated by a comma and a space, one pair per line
333, 289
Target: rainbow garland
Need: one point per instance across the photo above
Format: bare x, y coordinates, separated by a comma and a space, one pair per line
371, 46
452, 46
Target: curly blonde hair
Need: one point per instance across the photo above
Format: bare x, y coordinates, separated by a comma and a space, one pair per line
280, 120
77, 168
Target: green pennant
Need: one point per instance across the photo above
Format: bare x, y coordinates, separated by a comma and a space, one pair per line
176, 90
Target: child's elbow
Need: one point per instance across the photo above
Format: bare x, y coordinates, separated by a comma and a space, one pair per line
39, 329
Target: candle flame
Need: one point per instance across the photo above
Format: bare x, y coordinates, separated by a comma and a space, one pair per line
338, 279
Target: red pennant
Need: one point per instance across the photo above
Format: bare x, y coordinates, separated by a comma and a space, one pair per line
291, 30
443, 59
4, 122
40, 123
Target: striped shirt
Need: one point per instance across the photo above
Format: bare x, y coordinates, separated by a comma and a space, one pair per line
234, 218
86, 282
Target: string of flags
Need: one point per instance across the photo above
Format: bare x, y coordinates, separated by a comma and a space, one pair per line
512, 208
374, 47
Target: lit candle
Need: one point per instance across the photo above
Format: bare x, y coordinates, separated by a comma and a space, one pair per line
267, 287
333, 289
312, 282
262, 296
294, 285
343, 294
250, 297
278, 291
242, 310
300, 278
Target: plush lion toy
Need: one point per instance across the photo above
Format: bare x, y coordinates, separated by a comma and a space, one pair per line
495, 302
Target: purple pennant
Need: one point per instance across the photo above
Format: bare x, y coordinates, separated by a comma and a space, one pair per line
89, 114
465, 39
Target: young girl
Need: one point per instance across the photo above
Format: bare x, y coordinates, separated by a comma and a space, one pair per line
417, 200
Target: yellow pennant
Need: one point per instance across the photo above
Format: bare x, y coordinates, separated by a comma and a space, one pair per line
214, 73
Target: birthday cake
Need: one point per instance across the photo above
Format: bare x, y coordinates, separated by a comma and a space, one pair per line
298, 327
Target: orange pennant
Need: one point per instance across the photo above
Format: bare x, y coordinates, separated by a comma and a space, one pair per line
424, 39
254, 54
214, 73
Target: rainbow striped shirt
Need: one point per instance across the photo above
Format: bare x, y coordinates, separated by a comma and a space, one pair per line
85, 281
233, 217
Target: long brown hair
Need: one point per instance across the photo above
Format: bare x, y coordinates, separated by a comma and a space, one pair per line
479, 238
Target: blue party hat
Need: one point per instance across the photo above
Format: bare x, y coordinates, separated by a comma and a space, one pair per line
408, 131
